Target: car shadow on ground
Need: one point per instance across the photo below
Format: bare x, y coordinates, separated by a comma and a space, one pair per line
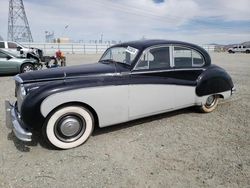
7, 75
37, 138
117, 127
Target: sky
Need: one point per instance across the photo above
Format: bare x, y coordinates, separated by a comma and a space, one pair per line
196, 21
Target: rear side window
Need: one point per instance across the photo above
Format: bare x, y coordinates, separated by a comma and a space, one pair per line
12, 45
187, 58
1, 44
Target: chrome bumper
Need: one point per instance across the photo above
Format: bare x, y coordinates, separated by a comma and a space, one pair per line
13, 122
233, 90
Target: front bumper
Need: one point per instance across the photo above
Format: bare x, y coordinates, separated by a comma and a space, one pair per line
14, 122
233, 90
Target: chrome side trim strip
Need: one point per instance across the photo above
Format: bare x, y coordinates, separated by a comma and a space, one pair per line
168, 70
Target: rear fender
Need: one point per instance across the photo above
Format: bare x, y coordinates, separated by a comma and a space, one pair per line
214, 80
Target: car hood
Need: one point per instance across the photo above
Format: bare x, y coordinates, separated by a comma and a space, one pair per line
68, 72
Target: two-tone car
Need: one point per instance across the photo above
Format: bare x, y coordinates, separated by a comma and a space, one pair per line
131, 80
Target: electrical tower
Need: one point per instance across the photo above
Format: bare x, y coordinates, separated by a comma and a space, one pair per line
18, 26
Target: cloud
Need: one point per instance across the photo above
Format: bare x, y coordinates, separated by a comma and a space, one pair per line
196, 21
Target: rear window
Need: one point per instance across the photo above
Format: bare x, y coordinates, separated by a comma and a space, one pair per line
1, 44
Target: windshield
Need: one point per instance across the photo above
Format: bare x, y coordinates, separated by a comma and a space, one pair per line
124, 55
21, 45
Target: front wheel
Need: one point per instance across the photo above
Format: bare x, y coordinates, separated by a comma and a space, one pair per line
211, 104
27, 67
68, 127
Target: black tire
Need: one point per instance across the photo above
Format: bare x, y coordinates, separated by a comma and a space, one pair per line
68, 127
27, 67
230, 51
247, 51
210, 105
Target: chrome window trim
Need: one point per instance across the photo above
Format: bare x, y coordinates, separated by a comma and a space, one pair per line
171, 53
192, 49
172, 65
168, 70
146, 51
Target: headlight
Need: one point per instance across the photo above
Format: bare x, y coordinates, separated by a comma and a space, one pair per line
22, 91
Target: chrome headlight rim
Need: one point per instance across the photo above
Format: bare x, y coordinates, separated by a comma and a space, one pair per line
23, 91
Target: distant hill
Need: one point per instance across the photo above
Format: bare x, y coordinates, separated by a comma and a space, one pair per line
246, 43
222, 47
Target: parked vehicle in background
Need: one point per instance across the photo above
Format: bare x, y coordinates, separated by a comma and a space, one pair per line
239, 48
12, 64
131, 80
21, 50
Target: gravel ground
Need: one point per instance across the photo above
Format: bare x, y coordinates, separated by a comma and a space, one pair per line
178, 149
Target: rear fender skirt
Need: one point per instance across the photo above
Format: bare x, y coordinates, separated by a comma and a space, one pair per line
213, 80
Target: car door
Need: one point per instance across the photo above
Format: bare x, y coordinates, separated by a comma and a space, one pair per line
6, 64
188, 65
150, 88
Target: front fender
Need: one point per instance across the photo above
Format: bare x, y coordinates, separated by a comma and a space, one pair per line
213, 80
30, 109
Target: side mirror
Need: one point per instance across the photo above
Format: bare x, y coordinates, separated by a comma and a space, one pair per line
8, 57
18, 48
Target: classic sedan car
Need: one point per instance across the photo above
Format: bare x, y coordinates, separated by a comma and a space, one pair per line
12, 64
131, 80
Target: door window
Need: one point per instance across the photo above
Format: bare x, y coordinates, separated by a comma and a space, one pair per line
12, 45
154, 59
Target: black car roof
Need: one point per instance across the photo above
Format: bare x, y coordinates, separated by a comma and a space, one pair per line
143, 44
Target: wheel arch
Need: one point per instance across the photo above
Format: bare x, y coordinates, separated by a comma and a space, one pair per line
76, 103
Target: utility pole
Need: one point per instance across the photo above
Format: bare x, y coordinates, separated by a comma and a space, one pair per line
18, 26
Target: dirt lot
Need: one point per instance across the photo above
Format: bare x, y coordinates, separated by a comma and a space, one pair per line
178, 149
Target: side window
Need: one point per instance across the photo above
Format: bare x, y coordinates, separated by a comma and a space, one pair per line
187, 58
182, 57
154, 59
197, 59
12, 45
1, 44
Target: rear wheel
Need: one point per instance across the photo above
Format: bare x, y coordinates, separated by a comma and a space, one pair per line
247, 51
211, 104
68, 127
27, 67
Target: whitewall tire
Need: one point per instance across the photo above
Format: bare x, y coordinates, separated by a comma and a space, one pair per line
69, 127
211, 104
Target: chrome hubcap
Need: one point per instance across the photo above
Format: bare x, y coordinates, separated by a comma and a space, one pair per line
210, 101
69, 128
